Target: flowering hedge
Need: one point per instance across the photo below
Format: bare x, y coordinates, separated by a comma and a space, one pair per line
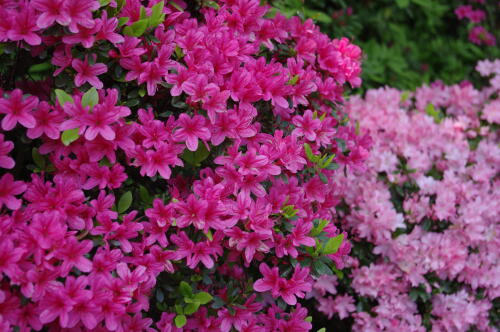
167, 165
424, 218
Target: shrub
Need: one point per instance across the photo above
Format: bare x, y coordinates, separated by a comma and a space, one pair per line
410, 42
423, 218
168, 165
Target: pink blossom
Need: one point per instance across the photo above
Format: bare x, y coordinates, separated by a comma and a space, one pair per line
190, 129
5, 147
18, 109
8, 190
88, 73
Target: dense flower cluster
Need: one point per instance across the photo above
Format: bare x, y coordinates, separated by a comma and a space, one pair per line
424, 218
476, 14
180, 169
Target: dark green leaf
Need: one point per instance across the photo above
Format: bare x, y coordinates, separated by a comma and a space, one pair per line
125, 202
38, 158
185, 289
323, 178
195, 157
321, 268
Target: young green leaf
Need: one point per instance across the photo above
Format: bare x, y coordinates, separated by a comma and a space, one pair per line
191, 308
122, 21
325, 163
318, 229
293, 80
333, 245
137, 28
203, 297
157, 15
90, 98
310, 155
124, 202
69, 136
63, 97
180, 321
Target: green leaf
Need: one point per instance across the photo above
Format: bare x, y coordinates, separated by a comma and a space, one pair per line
203, 297
157, 15
218, 303
69, 136
124, 202
212, 4
289, 211
323, 178
209, 235
175, 5
137, 28
318, 229
38, 158
327, 162
160, 297
322, 330
144, 195
405, 95
435, 113
195, 157
104, 2
40, 67
180, 321
293, 80
63, 97
308, 319
310, 155
185, 289
178, 52
122, 21
333, 245
341, 144
179, 309
191, 308
317, 16
357, 130
333, 166
338, 272
321, 268
402, 3
90, 98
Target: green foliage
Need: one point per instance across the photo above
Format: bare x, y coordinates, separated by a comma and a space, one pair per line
195, 158
405, 42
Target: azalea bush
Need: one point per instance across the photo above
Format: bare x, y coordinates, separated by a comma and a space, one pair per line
424, 218
167, 165
407, 43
